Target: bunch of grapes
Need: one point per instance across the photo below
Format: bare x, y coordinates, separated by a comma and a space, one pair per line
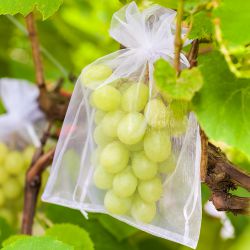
133, 136
13, 165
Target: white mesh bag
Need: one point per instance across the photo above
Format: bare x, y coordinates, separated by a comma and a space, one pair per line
122, 149
20, 124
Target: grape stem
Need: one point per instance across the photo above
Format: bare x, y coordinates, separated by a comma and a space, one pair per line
178, 40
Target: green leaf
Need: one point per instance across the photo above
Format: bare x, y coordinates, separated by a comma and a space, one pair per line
5, 230
234, 18
202, 27
101, 237
117, 228
14, 238
222, 105
46, 7
37, 243
181, 88
71, 235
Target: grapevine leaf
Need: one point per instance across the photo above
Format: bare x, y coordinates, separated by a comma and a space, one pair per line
38, 243
46, 7
5, 230
202, 27
189, 4
234, 17
117, 228
14, 238
222, 104
101, 237
183, 87
71, 235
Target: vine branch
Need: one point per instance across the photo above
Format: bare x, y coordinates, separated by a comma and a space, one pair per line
178, 39
31, 27
218, 173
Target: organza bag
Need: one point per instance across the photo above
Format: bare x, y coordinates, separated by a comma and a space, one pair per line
123, 149
22, 121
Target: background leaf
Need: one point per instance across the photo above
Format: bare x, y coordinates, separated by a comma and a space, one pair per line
46, 7
71, 235
37, 243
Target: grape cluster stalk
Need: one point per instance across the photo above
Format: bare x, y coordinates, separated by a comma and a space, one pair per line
133, 136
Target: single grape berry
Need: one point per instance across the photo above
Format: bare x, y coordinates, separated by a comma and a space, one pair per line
142, 211
157, 145
103, 179
100, 138
167, 166
114, 157
106, 98
131, 128
99, 116
110, 122
135, 97
3, 152
12, 189
94, 75
157, 114
14, 162
115, 204
150, 190
143, 167
3, 175
125, 183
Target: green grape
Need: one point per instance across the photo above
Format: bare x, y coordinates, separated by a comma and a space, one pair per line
14, 162
106, 98
2, 198
95, 74
167, 166
150, 190
12, 189
157, 114
28, 155
132, 128
99, 116
115, 204
3, 176
7, 215
178, 127
114, 157
157, 145
103, 179
143, 168
136, 147
3, 152
124, 86
110, 122
125, 183
95, 156
100, 138
135, 97
142, 211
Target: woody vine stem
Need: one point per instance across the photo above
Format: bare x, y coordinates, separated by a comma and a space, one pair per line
217, 172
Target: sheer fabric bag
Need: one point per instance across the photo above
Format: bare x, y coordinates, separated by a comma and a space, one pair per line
123, 150
21, 122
